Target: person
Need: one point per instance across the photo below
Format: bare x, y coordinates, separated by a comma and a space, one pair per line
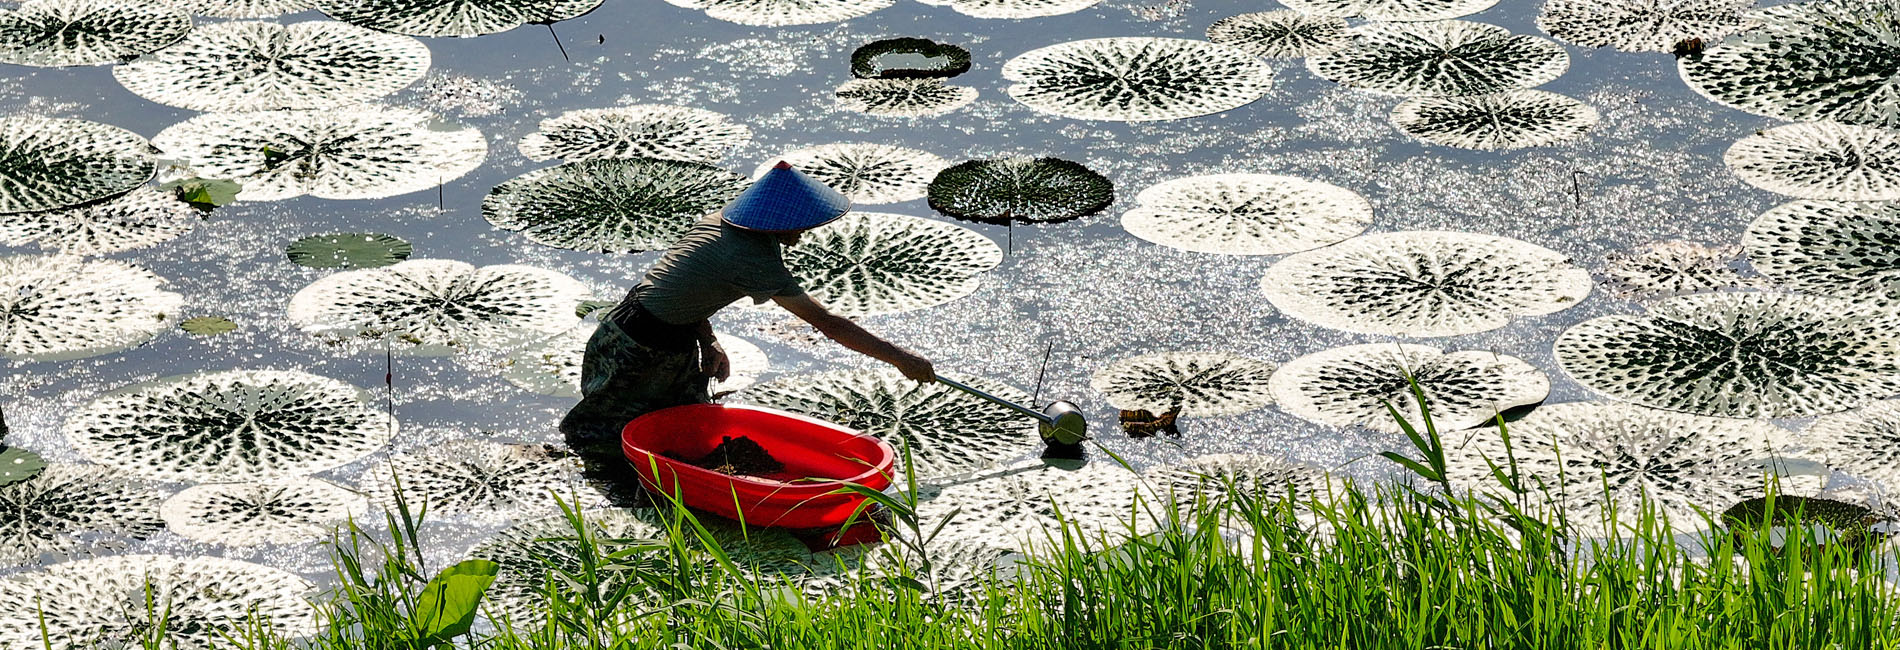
656, 348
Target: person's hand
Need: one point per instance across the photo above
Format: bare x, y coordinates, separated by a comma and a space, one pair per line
916, 368
713, 362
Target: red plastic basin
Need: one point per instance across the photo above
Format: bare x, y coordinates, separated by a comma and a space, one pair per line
810, 449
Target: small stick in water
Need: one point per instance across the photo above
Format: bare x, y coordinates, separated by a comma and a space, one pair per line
1576, 186
557, 43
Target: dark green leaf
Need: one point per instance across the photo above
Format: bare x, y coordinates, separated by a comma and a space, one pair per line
18, 464
205, 194
207, 325
348, 251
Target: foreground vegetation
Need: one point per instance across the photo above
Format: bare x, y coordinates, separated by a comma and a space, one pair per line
1417, 566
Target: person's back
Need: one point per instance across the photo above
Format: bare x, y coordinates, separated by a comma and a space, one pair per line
714, 264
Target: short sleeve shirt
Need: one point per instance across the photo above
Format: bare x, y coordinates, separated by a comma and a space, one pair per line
710, 267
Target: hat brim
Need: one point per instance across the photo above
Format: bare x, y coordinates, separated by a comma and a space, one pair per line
847, 210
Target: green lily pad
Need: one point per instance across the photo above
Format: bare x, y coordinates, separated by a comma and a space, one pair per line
348, 251
208, 325
18, 464
909, 58
205, 194
1020, 189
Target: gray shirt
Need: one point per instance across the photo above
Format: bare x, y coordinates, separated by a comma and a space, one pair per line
714, 264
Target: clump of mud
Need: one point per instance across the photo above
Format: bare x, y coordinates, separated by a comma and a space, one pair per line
735, 456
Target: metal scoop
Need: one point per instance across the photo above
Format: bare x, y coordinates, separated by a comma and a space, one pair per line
1060, 421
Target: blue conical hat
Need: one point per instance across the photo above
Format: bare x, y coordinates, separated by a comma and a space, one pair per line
785, 200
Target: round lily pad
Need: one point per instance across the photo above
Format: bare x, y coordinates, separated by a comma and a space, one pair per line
1807, 61
434, 306
1201, 384
1391, 10
1280, 34
241, 8
1671, 268
453, 17
1847, 250
1643, 25
1685, 464
229, 425
1424, 283
1020, 189
1446, 58
1212, 480
478, 480
780, 13
1353, 385
645, 131
168, 601
1740, 355
63, 506
1017, 507
65, 308
868, 174
908, 58
50, 163
1136, 78
1247, 214
18, 464
1513, 119
1862, 442
208, 325
610, 205
869, 263
947, 431
58, 33
357, 152
1826, 161
1014, 9
141, 218
280, 511
351, 250
903, 97
259, 66
553, 366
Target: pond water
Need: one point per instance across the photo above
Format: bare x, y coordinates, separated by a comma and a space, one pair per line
1085, 292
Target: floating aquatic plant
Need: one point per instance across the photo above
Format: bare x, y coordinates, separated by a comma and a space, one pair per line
867, 173
1016, 9
946, 431
241, 8
1247, 214
610, 205
1390, 10
86, 32
1862, 442
202, 194
1017, 506
348, 250
62, 307
208, 325
1643, 25
1740, 355
1280, 34
280, 511
1446, 58
1512, 119
1670, 268
1837, 60
358, 152
909, 58
229, 425
1199, 383
1821, 160
1020, 189
258, 66
141, 218
870, 263
644, 131
439, 303
1424, 283
453, 17
17, 464
779, 13
50, 163
1209, 480
1848, 250
186, 603
1353, 385
1682, 463
478, 479
903, 97
1136, 78
54, 510
553, 366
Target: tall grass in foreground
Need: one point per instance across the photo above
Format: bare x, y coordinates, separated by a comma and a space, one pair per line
1387, 566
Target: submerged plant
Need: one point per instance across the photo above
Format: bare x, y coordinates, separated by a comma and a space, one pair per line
1513, 119
1246, 214
1670, 268
62, 506
903, 97
348, 251
1355, 385
60, 307
477, 480
141, 218
277, 511
1199, 384
187, 603
682, 133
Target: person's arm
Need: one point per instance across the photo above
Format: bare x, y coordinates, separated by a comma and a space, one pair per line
712, 358
850, 335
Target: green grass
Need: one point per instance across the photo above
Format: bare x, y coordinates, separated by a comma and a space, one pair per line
1385, 566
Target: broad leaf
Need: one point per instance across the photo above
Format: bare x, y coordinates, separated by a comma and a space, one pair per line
448, 603
18, 464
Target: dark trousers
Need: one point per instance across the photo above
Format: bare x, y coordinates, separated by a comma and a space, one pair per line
622, 379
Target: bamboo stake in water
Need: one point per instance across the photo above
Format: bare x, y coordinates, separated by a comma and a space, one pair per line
557, 43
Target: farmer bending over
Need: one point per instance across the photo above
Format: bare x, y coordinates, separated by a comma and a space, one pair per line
656, 348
